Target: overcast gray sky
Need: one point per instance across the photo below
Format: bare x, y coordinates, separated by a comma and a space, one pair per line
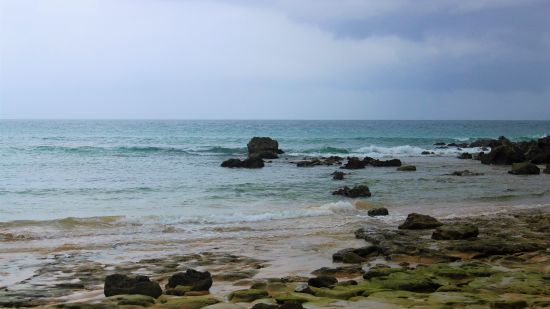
286, 59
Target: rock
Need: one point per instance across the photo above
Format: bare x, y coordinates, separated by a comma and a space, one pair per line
341, 271
303, 288
332, 160
426, 153
355, 255
338, 175
118, 284
416, 221
195, 280
186, 302
354, 163
381, 163
465, 173
547, 169
439, 144
247, 296
263, 148
381, 211
357, 191
407, 168
484, 143
322, 282
464, 156
515, 304
246, 163
131, 300
490, 246
264, 306
455, 231
503, 155
524, 168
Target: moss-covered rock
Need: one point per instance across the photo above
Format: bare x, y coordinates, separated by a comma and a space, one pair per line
136, 300
184, 302
247, 296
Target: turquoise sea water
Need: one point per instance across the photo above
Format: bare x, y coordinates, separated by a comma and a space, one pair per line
168, 171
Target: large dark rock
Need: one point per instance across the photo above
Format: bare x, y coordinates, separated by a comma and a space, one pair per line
354, 163
503, 155
524, 168
416, 221
322, 281
118, 284
357, 191
263, 148
382, 163
195, 280
246, 163
455, 231
381, 211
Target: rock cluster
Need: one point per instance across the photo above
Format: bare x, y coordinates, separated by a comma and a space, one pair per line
246, 163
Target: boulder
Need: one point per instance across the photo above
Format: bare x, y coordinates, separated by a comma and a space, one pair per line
194, 280
455, 231
357, 191
381, 211
246, 163
465, 156
338, 175
263, 148
524, 168
407, 168
503, 155
322, 281
416, 221
118, 284
356, 255
354, 163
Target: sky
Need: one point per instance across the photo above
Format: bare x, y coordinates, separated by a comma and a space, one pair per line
281, 59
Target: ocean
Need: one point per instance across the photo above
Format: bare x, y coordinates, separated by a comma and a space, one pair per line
113, 191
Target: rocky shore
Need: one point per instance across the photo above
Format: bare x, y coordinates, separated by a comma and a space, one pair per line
495, 261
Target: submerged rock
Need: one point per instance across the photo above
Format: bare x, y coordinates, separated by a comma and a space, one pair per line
263, 148
381, 211
416, 221
118, 284
322, 281
455, 231
524, 168
332, 160
354, 163
407, 168
357, 191
464, 156
192, 279
465, 173
338, 175
246, 163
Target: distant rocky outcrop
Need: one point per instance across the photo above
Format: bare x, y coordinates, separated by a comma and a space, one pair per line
263, 148
505, 152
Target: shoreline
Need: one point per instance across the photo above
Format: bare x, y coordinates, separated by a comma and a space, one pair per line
274, 257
